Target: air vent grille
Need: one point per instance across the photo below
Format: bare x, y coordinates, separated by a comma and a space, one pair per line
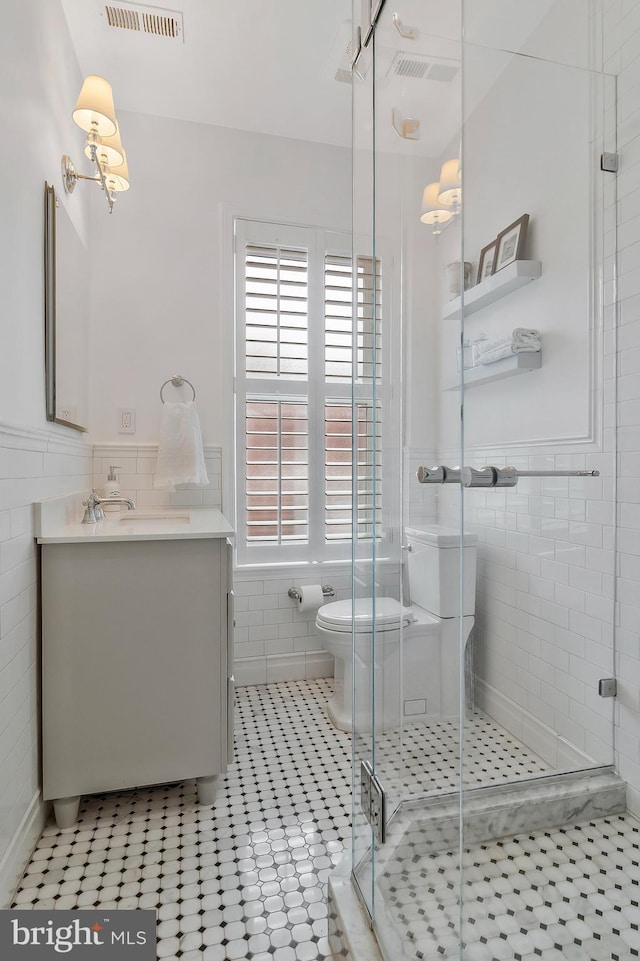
161, 26
416, 67
125, 19
139, 18
410, 68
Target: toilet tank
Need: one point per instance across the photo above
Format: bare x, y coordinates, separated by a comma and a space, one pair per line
433, 559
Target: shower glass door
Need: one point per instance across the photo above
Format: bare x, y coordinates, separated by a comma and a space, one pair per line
484, 252
364, 466
539, 229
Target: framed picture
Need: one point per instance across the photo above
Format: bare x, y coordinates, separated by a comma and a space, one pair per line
487, 261
511, 243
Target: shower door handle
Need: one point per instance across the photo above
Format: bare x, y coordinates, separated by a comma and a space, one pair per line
438, 475
489, 476
509, 476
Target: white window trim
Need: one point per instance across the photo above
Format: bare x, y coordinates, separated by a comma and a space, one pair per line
318, 241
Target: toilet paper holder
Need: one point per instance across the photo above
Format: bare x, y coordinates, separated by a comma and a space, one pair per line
294, 592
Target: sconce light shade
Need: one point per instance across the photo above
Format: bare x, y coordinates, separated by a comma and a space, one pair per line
94, 110
433, 211
110, 151
450, 190
118, 177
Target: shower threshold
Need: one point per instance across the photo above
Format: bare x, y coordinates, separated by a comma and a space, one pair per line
517, 881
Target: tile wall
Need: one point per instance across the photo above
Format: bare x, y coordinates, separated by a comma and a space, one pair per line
33, 465
137, 464
544, 601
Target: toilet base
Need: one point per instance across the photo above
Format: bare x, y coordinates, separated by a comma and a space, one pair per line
338, 715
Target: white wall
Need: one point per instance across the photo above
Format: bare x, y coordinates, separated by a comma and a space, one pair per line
39, 80
161, 290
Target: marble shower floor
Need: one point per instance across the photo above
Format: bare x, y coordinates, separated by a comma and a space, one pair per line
246, 878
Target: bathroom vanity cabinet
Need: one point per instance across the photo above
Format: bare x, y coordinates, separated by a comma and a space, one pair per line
137, 679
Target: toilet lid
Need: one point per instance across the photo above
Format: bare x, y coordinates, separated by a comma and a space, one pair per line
389, 615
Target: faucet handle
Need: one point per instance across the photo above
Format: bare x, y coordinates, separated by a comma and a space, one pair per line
89, 514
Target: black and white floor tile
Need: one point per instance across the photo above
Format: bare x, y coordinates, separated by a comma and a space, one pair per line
246, 878
572, 893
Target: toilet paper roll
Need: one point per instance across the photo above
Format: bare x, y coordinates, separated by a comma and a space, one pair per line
311, 597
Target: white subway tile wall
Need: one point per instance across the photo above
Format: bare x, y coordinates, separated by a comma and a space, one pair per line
544, 601
274, 641
136, 464
34, 465
419, 500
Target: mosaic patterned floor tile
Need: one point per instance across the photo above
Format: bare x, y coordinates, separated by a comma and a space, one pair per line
246, 878
571, 893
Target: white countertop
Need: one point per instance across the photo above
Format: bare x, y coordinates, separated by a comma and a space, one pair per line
164, 524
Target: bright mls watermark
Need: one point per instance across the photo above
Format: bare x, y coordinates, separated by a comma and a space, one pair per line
99, 934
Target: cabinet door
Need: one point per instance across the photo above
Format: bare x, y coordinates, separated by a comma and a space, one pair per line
134, 641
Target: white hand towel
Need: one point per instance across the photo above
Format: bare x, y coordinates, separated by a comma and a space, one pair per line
180, 451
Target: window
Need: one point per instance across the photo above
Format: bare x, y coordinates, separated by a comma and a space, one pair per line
294, 365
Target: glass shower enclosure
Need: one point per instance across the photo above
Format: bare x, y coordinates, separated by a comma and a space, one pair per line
484, 232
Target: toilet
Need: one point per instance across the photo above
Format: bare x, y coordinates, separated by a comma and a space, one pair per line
415, 673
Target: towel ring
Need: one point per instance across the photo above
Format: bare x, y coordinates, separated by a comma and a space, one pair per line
177, 381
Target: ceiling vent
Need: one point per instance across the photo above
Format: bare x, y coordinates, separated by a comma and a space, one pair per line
416, 67
139, 18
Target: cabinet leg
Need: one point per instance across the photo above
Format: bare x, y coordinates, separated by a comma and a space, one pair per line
66, 811
207, 787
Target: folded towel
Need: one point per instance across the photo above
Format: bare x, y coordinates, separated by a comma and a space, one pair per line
180, 451
522, 339
507, 350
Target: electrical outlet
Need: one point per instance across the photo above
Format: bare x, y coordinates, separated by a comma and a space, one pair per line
126, 420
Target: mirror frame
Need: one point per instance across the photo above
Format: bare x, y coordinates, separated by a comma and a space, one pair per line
50, 204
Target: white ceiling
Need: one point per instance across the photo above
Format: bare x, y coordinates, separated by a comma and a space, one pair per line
262, 65
269, 65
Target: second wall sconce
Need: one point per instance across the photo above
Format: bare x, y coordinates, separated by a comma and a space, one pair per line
95, 113
442, 200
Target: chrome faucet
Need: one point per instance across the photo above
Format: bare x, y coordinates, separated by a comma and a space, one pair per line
94, 512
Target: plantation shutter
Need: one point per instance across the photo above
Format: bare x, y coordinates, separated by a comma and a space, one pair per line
295, 364
277, 313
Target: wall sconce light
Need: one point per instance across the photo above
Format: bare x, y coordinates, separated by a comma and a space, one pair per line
433, 212
95, 113
442, 200
450, 184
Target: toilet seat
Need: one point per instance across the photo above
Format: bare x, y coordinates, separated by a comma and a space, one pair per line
338, 616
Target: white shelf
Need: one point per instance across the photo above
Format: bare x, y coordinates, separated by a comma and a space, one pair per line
510, 278
517, 364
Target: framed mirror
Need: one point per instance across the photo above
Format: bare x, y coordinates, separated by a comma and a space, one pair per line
66, 316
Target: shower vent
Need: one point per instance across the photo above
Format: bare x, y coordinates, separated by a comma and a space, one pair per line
416, 67
139, 18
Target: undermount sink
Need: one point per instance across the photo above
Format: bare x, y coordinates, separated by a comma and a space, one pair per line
143, 517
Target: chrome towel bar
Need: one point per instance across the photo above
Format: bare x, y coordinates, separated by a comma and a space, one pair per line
490, 476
